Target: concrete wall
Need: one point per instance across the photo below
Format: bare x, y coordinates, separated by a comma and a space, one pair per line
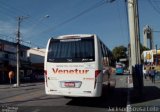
36, 55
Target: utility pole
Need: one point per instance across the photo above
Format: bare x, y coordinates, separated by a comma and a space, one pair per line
136, 67
18, 48
134, 33
138, 54
156, 56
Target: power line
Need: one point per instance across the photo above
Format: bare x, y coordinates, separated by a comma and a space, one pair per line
12, 8
31, 44
10, 11
35, 24
153, 6
20, 18
121, 19
98, 4
22, 42
7, 38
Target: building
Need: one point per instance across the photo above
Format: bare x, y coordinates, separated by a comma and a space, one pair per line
151, 56
31, 62
8, 60
36, 57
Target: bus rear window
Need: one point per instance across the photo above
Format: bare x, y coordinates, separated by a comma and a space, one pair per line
71, 50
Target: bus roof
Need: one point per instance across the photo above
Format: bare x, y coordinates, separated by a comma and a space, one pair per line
75, 36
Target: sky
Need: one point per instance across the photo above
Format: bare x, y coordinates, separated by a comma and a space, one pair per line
43, 19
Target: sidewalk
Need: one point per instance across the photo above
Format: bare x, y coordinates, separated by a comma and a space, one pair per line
149, 96
6, 86
148, 82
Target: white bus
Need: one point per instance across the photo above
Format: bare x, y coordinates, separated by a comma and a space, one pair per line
74, 65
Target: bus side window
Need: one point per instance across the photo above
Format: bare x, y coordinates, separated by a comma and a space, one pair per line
105, 59
104, 55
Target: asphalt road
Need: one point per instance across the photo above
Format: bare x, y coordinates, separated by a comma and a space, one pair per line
32, 98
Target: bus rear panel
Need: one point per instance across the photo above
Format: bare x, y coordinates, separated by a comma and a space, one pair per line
70, 68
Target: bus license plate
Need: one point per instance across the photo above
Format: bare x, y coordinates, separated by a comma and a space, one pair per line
69, 84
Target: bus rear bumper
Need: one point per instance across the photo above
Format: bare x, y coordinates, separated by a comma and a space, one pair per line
73, 93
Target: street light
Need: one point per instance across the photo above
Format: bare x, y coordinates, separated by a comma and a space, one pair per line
20, 19
37, 22
46, 16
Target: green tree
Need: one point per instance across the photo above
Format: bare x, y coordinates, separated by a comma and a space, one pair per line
119, 52
143, 48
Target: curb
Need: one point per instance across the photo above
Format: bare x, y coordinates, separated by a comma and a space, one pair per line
7, 86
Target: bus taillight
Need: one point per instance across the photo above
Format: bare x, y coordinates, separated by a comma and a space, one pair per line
45, 75
45, 72
97, 72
